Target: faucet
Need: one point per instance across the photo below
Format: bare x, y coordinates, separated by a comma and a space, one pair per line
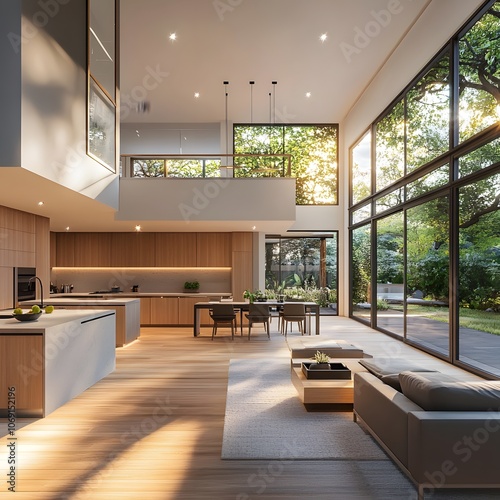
41, 288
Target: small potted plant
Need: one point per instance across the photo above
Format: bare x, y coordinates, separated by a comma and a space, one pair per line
191, 286
321, 361
249, 296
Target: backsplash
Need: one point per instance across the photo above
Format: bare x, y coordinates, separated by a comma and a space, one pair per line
150, 280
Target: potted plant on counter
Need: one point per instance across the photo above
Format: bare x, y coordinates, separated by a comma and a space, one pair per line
191, 286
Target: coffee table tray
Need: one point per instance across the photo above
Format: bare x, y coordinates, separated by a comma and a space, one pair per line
337, 371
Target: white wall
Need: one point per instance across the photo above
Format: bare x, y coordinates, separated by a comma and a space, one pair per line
217, 199
436, 26
10, 100
170, 138
54, 102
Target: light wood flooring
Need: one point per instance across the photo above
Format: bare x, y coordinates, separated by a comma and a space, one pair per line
153, 429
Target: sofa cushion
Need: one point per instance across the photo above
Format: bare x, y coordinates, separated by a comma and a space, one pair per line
388, 369
439, 392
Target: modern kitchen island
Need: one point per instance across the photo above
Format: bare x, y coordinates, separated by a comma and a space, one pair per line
128, 311
48, 362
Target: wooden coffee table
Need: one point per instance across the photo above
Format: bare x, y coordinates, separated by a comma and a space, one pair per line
326, 391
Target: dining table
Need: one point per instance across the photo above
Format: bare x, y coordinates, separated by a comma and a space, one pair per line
311, 309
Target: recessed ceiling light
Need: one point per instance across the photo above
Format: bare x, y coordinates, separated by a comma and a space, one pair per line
323, 37
196, 95
254, 228
138, 227
172, 37
40, 203
67, 228
308, 94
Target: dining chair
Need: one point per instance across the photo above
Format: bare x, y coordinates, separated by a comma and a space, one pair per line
293, 313
258, 313
223, 315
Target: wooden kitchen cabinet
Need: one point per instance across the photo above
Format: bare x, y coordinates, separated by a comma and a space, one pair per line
242, 242
175, 249
164, 310
241, 277
92, 249
213, 249
65, 249
145, 311
132, 249
22, 362
186, 311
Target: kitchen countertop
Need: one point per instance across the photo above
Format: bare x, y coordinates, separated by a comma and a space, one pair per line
128, 295
58, 317
90, 300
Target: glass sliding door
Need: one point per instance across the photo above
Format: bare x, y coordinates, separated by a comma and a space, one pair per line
479, 274
361, 270
305, 267
427, 275
390, 267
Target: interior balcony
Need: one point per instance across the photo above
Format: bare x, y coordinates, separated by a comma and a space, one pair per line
265, 202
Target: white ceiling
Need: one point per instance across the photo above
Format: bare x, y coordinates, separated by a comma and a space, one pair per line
236, 41
254, 40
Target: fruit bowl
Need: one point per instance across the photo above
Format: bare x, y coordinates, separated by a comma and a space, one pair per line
29, 316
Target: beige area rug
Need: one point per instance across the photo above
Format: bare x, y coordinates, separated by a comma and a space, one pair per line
265, 419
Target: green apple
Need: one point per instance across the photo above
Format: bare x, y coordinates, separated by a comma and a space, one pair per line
17, 310
49, 309
35, 309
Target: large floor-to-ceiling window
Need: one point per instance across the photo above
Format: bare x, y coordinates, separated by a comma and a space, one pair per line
313, 150
425, 205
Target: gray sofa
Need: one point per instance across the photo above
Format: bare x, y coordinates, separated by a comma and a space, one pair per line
443, 433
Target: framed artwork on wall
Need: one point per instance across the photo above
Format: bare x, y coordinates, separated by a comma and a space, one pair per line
101, 127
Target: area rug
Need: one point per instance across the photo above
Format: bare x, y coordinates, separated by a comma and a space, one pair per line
265, 419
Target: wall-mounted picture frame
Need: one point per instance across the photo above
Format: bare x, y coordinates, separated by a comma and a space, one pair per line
101, 127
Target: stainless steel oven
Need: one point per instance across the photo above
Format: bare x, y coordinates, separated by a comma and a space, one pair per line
24, 284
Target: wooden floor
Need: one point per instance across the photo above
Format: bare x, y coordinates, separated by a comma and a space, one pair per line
153, 428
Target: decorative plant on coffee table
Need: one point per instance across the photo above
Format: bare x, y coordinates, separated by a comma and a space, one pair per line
321, 361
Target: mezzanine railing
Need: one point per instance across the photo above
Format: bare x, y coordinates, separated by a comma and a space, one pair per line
206, 165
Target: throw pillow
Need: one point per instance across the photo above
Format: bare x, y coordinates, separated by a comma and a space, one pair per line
439, 392
388, 369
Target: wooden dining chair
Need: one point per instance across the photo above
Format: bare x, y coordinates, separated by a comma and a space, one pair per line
259, 313
223, 315
293, 313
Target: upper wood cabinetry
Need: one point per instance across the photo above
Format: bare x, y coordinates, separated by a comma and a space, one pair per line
42, 252
242, 263
175, 249
242, 242
213, 250
24, 242
17, 238
65, 249
81, 249
133, 249
148, 249
92, 249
